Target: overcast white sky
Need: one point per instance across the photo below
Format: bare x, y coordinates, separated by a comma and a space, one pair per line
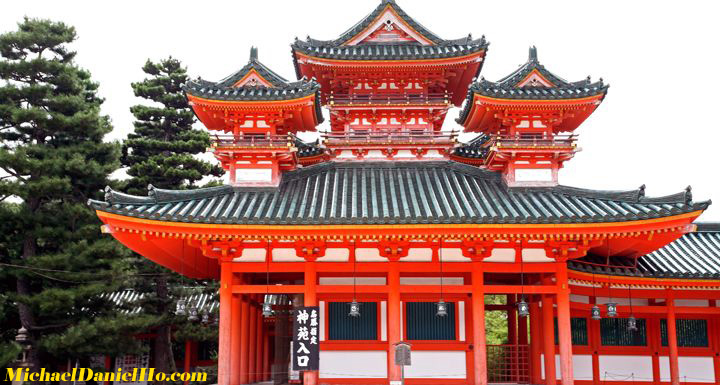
656, 126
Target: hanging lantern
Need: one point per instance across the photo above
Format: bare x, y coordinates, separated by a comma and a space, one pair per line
267, 310
180, 309
193, 314
632, 323
595, 312
354, 309
205, 318
22, 337
441, 308
611, 309
522, 308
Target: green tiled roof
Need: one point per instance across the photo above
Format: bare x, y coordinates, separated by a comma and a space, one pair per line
395, 193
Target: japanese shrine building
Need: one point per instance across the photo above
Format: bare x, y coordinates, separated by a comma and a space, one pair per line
389, 211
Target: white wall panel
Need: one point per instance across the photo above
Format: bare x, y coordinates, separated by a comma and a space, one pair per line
335, 255
353, 364
285, 255
437, 364
692, 369
251, 255
626, 368
418, 255
582, 366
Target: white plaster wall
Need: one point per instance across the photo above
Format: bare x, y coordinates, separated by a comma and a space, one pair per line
349, 280
622, 301
322, 317
375, 154
383, 320
582, 366
434, 154
579, 298
368, 255
285, 255
501, 255
335, 255
626, 368
251, 255
535, 255
418, 255
437, 364
533, 175
353, 364
431, 280
692, 369
461, 320
691, 302
453, 255
404, 154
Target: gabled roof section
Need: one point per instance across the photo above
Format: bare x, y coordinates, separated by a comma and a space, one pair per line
533, 81
395, 193
254, 67
386, 11
370, 40
254, 81
692, 256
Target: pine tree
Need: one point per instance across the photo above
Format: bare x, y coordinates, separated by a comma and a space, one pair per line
52, 160
163, 152
164, 147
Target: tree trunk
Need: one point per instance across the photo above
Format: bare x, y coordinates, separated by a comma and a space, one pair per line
163, 357
27, 318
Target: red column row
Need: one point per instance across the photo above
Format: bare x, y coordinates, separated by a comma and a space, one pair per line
243, 354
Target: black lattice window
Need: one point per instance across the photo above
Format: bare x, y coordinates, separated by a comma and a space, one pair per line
615, 332
341, 326
578, 331
691, 333
424, 324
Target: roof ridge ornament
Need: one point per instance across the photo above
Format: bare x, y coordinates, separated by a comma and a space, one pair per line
253, 54
688, 195
532, 54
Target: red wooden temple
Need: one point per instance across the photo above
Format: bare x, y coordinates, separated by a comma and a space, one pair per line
390, 211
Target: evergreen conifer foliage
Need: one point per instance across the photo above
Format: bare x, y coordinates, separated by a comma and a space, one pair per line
162, 150
52, 160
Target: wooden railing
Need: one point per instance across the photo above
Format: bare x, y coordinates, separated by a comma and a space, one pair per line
389, 138
508, 364
535, 141
244, 141
399, 98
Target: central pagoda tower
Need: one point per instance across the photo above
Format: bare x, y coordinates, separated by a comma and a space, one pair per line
388, 83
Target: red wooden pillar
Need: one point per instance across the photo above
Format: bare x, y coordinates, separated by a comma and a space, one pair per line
188, 356
266, 355
244, 339
672, 340
311, 377
225, 335
252, 340
259, 346
512, 324
393, 314
564, 332
714, 326
235, 343
108, 367
535, 343
548, 339
478, 321
594, 341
